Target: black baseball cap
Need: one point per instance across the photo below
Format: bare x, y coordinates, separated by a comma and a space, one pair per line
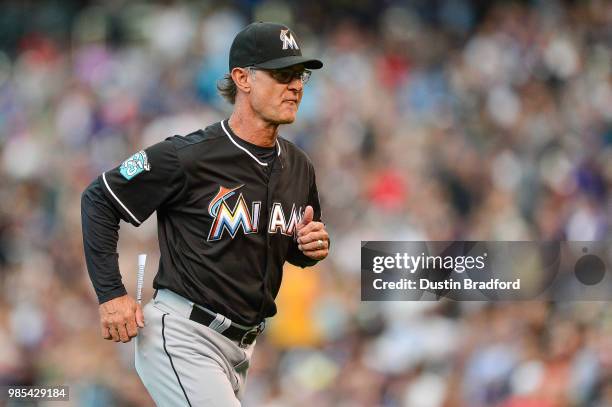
268, 46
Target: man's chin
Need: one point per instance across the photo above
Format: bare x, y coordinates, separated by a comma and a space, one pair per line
285, 119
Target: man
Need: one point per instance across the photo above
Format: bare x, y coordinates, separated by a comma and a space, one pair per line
234, 202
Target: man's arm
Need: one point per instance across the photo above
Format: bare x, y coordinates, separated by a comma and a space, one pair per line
119, 313
130, 192
312, 243
100, 224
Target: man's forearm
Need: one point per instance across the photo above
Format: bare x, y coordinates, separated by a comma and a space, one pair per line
100, 223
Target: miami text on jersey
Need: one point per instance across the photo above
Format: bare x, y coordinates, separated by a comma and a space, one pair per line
231, 219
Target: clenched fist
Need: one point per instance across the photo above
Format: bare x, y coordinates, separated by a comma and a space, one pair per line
313, 239
119, 319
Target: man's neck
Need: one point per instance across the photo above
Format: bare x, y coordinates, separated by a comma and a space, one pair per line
254, 130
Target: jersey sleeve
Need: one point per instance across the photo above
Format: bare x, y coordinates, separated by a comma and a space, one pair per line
295, 255
100, 223
145, 181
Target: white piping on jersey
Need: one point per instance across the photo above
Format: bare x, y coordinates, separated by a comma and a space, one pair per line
245, 150
118, 200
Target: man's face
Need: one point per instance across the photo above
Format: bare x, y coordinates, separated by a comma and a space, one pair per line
276, 94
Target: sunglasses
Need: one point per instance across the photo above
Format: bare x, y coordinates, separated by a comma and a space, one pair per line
285, 76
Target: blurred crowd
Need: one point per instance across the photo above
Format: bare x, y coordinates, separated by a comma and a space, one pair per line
431, 120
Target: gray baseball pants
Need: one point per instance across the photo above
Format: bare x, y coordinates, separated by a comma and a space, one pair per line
184, 363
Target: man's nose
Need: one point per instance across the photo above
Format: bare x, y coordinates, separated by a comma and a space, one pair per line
296, 84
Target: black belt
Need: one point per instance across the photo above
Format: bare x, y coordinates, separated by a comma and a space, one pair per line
243, 336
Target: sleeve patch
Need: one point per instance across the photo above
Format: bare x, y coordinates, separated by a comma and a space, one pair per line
135, 165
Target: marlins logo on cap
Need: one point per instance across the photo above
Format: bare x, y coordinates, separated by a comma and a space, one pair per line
288, 40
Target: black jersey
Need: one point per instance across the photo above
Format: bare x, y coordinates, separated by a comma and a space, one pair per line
226, 218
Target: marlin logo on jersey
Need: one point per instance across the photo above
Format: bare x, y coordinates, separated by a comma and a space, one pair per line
288, 41
232, 218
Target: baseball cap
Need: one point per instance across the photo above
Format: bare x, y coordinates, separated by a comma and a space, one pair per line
268, 46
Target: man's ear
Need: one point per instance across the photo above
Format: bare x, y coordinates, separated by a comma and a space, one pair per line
241, 77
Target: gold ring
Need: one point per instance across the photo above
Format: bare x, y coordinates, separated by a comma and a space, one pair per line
320, 243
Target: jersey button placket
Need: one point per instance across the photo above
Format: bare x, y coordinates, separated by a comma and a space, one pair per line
270, 185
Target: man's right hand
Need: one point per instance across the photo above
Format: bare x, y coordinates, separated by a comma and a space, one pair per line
119, 319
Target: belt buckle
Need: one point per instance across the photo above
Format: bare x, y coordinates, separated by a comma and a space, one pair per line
249, 336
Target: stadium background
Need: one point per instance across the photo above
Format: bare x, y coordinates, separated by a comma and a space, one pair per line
431, 120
